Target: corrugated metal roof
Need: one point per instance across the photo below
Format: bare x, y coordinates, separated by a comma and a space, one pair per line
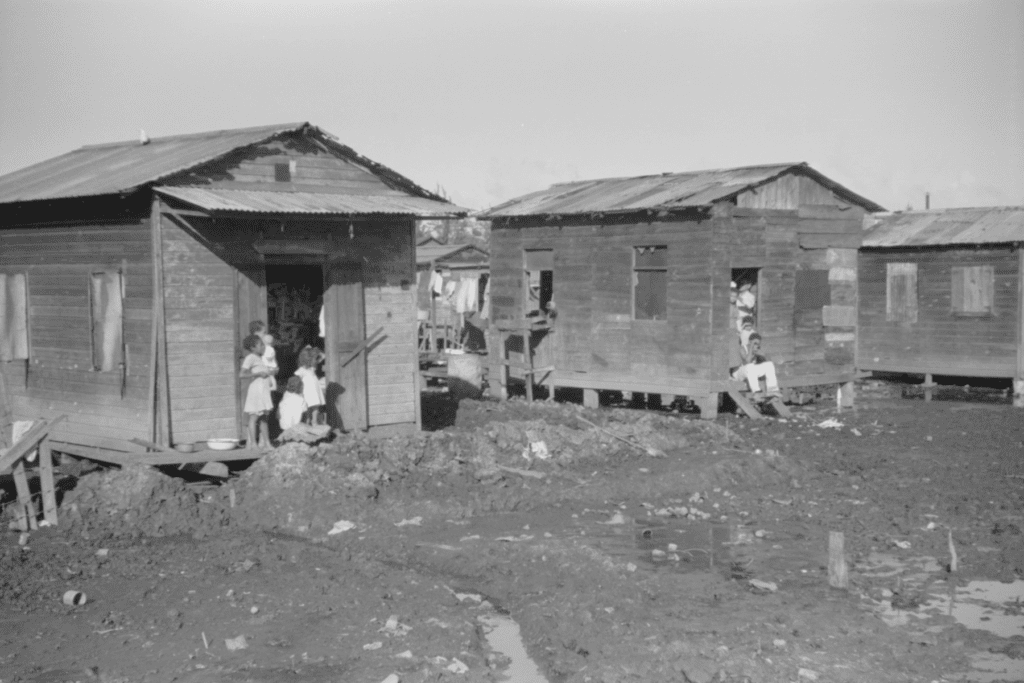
124, 166
438, 252
658, 192
982, 225
259, 201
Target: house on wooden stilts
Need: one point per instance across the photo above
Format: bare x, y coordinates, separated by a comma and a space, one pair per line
130, 273
450, 316
941, 294
640, 271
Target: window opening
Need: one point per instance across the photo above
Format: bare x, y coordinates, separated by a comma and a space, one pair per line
650, 282
901, 292
284, 171
13, 317
744, 297
106, 295
540, 280
972, 290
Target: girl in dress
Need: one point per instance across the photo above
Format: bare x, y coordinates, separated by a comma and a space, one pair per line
258, 402
311, 389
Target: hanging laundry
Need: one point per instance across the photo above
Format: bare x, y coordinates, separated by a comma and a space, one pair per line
485, 306
466, 296
436, 283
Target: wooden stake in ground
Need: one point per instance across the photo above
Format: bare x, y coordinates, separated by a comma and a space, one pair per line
952, 552
838, 577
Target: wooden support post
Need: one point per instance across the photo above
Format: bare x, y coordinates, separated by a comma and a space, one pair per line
928, 386
708, 405
26, 508
503, 368
46, 482
528, 357
838, 576
590, 398
847, 395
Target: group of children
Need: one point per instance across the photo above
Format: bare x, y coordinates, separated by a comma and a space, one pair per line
303, 399
746, 360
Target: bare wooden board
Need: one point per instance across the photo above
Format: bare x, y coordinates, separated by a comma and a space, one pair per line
745, 405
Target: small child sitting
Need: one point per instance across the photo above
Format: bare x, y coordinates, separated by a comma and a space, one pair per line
293, 406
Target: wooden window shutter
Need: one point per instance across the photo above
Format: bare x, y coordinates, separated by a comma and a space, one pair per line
972, 289
901, 292
13, 317
106, 295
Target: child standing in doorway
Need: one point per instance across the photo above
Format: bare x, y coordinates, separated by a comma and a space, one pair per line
259, 328
258, 402
311, 389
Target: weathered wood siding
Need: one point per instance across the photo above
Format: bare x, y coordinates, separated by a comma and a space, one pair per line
940, 342
389, 291
199, 311
595, 331
59, 261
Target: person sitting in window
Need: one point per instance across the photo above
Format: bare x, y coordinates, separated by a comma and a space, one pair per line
753, 366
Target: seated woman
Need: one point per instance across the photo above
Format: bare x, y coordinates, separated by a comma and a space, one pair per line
754, 365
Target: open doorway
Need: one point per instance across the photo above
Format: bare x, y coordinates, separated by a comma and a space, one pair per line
294, 298
743, 295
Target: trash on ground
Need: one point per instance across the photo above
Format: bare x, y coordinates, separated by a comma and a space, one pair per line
236, 643
341, 526
767, 586
413, 521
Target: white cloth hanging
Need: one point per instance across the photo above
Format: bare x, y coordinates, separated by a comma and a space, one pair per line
466, 296
485, 306
436, 283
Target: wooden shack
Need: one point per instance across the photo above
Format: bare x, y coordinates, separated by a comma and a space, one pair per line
941, 294
447, 314
130, 273
640, 271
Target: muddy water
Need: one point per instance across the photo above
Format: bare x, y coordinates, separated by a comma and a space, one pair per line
502, 634
991, 606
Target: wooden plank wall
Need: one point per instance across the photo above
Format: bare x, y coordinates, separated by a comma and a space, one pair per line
388, 250
253, 168
939, 342
594, 330
59, 260
199, 310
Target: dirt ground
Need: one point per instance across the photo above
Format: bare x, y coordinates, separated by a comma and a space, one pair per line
362, 559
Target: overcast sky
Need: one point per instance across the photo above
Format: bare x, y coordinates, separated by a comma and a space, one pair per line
490, 100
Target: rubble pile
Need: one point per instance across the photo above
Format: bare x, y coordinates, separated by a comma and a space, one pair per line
140, 500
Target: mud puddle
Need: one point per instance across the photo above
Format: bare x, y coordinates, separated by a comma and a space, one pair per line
503, 636
922, 593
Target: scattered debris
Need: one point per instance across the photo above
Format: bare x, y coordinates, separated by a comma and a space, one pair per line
342, 526
764, 586
413, 521
236, 643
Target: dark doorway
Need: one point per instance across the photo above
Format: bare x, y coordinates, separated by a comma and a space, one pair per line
294, 297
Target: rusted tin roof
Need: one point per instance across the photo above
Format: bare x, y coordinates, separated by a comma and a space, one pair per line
123, 166
982, 225
663, 192
429, 253
220, 200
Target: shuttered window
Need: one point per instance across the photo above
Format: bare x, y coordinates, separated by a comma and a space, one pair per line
106, 297
901, 292
650, 282
13, 317
972, 290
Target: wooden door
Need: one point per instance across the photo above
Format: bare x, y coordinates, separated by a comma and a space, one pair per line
250, 304
345, 330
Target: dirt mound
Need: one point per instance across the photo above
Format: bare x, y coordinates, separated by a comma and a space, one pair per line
141, 500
